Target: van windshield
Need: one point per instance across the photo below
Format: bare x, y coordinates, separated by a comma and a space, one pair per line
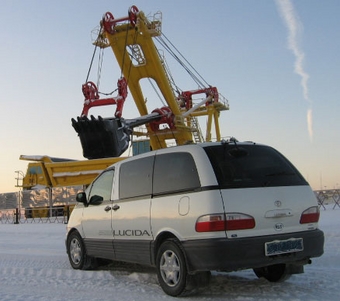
242, 166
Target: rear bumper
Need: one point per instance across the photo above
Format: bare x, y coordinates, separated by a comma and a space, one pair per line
244, 253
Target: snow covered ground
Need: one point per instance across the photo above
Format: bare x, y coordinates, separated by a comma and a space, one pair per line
34, 267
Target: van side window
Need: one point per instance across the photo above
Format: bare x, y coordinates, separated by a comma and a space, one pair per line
102, 186
135, 178
175, 172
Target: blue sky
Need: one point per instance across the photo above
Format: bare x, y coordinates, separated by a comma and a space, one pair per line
242, 47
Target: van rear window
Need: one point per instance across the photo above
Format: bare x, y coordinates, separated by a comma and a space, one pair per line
243, 166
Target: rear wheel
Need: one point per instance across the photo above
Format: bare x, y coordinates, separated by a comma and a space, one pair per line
171, 268
172, 271
273, 273
77, 253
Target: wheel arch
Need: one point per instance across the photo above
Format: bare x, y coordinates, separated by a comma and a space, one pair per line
72, 230
161, 237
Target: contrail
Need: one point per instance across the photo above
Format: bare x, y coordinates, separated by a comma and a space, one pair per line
294, 27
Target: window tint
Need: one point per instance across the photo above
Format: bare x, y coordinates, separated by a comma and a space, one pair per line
103, 185
135, 178
175, 172
241, 166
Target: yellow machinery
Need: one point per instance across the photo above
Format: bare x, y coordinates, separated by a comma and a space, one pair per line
52, 172
105, 139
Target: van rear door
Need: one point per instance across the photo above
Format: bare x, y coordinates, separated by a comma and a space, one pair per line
131, 211
263, 193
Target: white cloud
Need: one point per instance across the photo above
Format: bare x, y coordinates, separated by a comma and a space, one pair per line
310, 123
294, 27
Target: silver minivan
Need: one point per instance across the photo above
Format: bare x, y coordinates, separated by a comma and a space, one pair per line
192, 209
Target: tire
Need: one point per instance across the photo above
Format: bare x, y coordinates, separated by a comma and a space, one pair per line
77, 253
273, 273
171, 268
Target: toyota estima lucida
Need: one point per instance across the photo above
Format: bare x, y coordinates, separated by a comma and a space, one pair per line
192, 209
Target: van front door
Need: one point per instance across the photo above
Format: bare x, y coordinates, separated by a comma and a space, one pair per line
97, 217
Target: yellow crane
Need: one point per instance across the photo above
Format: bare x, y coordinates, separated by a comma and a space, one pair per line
104, 140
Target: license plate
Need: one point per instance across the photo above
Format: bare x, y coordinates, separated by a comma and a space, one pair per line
278, 247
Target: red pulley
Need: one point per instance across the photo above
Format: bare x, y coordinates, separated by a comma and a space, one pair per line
109, 23
90, 91
133, 11
166, 116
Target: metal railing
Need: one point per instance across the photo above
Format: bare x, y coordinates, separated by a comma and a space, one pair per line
50, 205
59, 214
328, 196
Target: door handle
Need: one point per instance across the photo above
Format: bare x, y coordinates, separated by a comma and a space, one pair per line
107, 208
115, 207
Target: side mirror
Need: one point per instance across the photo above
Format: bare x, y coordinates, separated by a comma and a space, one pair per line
96, 200
81, 198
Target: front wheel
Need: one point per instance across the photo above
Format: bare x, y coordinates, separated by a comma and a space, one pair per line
273, 273
77, 253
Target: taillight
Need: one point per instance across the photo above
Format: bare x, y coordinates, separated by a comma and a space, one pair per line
239, 221
222, 222
310, 215
210, 223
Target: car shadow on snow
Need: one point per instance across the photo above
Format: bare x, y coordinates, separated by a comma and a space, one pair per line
228, 286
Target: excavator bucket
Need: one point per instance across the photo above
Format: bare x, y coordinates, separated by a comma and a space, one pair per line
101, 138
